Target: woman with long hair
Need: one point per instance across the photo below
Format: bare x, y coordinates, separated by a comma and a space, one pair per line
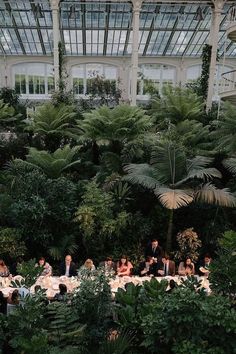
124, 266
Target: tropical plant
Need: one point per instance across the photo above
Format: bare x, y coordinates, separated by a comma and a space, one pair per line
223, 269
29, 272
94, 297
8, 117
189, 318
224, 133
178, 181
52, 123
41, 208
65, 245
193, 136
11, 245
189, 245
99, 220
176, 104
122, 130
52, 164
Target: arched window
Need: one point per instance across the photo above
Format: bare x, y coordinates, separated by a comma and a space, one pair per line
85, 76
33, 79
155, 75
194, 72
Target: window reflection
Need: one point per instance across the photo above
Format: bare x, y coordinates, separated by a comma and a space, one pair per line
154, 77
33, 78
85, 78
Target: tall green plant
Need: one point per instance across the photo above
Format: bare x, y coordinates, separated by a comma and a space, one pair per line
206, 61
178, 181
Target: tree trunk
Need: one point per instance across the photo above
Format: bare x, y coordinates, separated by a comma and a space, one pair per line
169, 232
95, 153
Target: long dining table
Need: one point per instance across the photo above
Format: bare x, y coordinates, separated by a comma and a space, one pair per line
51, 284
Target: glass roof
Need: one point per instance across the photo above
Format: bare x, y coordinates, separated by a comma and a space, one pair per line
105, 28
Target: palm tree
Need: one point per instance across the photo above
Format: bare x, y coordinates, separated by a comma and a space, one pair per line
191, 134
52, 123
122, 129
65, 245
52, 164
176, 104
224, 134
178, 181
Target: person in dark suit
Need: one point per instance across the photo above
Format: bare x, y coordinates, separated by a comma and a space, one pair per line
68, 267
148, 267
154, 250
204, 265
166, 267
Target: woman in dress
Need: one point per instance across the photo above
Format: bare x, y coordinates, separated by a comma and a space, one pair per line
186, 267
124, 266
47, 269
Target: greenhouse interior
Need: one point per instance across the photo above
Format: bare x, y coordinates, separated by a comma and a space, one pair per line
117, 177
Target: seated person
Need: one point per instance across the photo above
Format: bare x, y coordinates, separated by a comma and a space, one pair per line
47, 269
87, 268
154, 250
147, 267
204, 265
108, 264
166, 267
68, 267
14, 298
62, 295
4, 271
186, 267
172, 285
124, 267
3, 304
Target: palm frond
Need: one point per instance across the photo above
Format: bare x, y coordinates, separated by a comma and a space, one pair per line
169, 161
230, 164
142, 174
209, 194
174, 198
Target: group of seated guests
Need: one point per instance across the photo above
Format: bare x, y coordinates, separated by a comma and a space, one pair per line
156, 263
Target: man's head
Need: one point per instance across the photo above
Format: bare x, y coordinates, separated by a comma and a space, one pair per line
154, 243
68, 259
207, 258
109, 261
165, 258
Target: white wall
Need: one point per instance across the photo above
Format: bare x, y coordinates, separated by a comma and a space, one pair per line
123, 67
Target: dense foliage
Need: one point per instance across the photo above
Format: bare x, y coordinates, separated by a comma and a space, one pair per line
104, 182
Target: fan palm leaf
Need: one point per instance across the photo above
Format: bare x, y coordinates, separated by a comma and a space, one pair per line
174, 198
142, 174
209, 194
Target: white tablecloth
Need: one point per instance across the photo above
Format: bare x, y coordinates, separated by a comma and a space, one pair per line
51, 284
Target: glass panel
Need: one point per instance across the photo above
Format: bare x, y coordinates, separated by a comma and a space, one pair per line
78, 86
20, 84
51, 86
